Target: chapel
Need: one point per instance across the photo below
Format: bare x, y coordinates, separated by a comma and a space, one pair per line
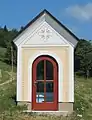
45, 65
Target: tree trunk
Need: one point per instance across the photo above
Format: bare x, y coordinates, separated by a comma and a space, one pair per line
87, 74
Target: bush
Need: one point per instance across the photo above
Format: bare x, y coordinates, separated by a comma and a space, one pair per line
80, 73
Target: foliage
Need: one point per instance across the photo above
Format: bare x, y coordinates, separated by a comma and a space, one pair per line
83, 57
6, 38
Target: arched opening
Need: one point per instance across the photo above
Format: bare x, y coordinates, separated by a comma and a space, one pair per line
44, 83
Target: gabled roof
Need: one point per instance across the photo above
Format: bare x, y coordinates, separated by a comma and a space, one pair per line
52, 24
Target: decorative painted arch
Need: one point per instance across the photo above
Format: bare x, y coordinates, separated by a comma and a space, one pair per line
60, 74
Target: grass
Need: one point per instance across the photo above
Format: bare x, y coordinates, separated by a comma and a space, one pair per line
2, 53
4, 76
3, 65
6, 67
5, 72
83, 97
9, 110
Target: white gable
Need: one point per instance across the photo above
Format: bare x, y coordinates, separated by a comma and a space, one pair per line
45, 35
45, 29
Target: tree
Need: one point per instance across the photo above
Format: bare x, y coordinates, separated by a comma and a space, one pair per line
83, 54
9, 43
5, 29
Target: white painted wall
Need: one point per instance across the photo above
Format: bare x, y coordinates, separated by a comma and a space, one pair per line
19, 74
71, 74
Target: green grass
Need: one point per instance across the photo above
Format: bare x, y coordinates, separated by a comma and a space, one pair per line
83, 97
6, 67
2, 50
2, 53
8, 108
4, 76
5, 72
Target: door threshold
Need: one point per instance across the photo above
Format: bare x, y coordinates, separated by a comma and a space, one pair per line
42, 111
57, 113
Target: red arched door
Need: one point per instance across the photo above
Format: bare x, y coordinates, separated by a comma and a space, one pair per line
44, 84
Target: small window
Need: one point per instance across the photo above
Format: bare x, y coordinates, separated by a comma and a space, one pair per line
49, 70
40, 70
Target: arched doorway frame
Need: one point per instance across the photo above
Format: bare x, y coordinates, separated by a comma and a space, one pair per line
60, 73
49, 101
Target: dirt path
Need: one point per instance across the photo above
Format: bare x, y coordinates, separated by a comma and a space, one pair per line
6, 82
11, 79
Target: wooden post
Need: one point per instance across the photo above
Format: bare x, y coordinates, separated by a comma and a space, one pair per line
12, 62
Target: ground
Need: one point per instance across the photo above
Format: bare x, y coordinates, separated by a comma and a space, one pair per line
9, 110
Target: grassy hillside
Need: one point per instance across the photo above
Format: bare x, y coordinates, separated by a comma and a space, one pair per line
83, 97
5, 69
2, 52
9, 110
5, 72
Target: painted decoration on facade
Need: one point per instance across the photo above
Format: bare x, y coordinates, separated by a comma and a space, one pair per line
45, 33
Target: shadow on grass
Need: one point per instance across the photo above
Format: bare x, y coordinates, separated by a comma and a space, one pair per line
14, 99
